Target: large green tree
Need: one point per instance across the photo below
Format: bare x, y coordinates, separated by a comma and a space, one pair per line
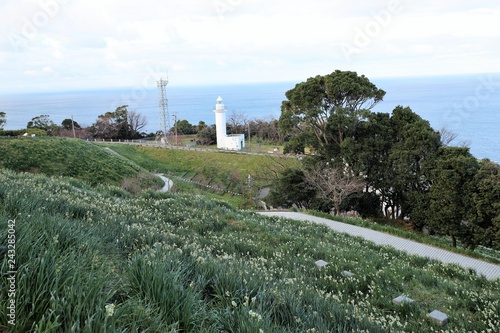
42, 122
207, 135
451, 191
389, 151
69, 124
184, 127
112, 125
3, 120
484, 217
414, 143
291, 189
327, 109
368, 150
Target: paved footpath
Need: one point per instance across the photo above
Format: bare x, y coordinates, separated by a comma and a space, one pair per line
490, 271
168, 183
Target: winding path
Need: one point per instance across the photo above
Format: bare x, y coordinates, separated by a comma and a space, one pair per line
489, 270
168, 183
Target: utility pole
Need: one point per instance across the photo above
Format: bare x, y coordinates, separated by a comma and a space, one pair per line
249, 138
73, 126
175, 128
250, 188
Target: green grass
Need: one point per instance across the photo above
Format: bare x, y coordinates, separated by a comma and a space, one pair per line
256, 146
215, 167
184, 263
225, 170
75, 158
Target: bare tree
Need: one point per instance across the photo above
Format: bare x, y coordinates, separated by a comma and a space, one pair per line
137, 122
334, 184
447, 136
237, 122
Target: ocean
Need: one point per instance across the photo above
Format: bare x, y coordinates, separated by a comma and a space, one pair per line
467, 105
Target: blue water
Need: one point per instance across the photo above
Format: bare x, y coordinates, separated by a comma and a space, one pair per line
194, 103
468, 105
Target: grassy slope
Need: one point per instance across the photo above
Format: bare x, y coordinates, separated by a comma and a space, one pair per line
210, 166
223, 169
184, 263
69, 157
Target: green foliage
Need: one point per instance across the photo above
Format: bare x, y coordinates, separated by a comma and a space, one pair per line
3, 120
36, 132
328, 108
179, 263
485, 213
295, 145
367, 204
21, 132
112, 125
207, 135
291, 189
184, 127
332, 114
225, 169
452, 176
414, 143
68, 124
12, 132
70, 157
43, 123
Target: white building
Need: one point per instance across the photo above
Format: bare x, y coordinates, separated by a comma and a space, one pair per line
224, 141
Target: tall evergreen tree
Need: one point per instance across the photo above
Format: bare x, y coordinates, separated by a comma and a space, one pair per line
484, 217
449, 196
327, 108
3, 120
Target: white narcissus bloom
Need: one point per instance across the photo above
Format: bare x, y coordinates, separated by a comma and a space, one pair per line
110, 310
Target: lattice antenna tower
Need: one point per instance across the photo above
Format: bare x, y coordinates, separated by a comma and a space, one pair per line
163, 108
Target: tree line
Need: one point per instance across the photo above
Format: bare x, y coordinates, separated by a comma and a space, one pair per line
119, 124
383, 164
124, 124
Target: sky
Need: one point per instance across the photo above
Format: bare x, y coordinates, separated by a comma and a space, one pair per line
57, 45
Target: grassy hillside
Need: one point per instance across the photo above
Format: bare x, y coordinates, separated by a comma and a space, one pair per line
82, 160
224, 170
163, 262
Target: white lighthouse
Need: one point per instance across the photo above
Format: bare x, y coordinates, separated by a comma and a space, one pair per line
220, 121
224, 141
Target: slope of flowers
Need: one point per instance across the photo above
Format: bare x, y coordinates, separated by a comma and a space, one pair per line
92, 261
82, 160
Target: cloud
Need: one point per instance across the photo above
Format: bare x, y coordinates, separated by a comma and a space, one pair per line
109, 42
